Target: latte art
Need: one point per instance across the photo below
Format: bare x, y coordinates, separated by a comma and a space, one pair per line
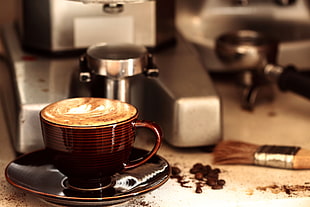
86, 109
88, 112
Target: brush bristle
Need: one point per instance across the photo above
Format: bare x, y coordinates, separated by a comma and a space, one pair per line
234, 152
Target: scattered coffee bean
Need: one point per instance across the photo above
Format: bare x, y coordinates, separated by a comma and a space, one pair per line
198, 188
221, 182
211, 182
183, 184
175, 171
175, 174
202, 173
217, 187
196, 168
199, 176
213, 174
206, 170
217, 170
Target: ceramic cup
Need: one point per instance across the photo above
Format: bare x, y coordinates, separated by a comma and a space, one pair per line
90, 139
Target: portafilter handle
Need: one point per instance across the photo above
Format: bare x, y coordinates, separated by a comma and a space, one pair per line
253, 51
289, 79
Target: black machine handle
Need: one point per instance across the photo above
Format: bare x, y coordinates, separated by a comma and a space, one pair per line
291, 80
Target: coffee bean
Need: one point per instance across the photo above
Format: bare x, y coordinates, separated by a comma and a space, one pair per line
196, 168
213, 174
193, 171
211, 182
206, 169
199, 176
175, 171
221, 182
183, 184
217, 187
217, 170
204, 174
198, 188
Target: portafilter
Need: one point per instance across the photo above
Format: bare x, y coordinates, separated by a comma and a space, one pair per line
247, 50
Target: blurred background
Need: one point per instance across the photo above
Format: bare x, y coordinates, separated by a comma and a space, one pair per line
7, 11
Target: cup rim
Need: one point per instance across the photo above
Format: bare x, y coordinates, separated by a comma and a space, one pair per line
89, 126
133, 117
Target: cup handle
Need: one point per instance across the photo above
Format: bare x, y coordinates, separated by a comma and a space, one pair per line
155, 128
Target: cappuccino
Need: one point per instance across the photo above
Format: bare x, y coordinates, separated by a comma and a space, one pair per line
87, 111
91, 139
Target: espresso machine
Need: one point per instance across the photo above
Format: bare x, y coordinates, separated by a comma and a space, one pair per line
50, 49
246, 25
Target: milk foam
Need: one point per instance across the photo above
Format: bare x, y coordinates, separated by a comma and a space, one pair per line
85, 109
88, 112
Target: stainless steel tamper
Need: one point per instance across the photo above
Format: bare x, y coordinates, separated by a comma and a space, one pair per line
115, 64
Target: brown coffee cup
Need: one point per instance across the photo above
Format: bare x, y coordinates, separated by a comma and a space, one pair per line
90, 139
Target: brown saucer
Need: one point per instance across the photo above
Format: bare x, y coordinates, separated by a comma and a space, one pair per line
34, 173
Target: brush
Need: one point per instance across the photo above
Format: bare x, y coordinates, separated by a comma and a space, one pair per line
236, 152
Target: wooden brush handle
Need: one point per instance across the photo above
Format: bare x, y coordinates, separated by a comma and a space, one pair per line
302, 159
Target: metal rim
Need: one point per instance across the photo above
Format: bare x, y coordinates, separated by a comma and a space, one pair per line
246, 49
116, 60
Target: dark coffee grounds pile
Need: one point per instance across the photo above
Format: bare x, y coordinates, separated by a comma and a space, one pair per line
204, 175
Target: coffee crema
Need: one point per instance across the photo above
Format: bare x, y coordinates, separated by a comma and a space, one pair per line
88, 111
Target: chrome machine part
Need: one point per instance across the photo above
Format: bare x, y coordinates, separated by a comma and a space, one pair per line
183, 99
115, 63
60, 26
37, 81
245, 50
116, 60
203, 22
253, 52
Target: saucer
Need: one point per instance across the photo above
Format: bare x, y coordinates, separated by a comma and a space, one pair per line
35, 173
